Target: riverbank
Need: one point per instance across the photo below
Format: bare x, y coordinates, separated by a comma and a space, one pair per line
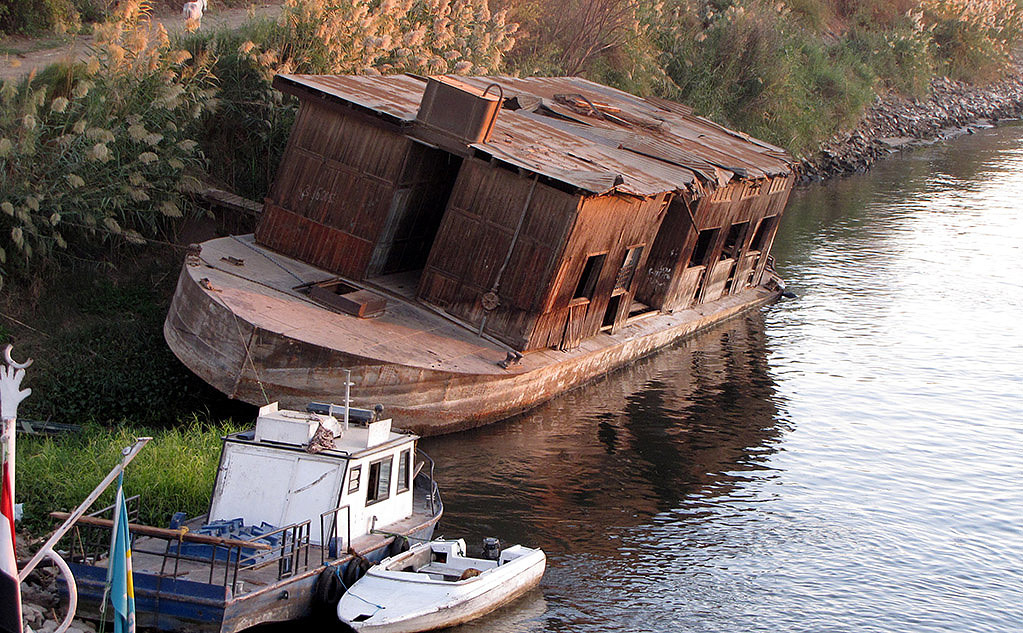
895, 123
42, 609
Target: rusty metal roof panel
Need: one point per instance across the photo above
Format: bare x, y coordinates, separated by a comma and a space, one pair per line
528, 141
647, 146
589, 136
394, 95
650, 119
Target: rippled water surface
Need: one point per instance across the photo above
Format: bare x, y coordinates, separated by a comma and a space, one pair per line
850, 460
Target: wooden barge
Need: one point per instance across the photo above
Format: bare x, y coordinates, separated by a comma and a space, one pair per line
470, 247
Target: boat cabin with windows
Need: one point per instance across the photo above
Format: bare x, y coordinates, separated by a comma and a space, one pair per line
364, 480
538, 211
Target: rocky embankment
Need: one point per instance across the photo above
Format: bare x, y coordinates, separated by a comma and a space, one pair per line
895, 123
42, 610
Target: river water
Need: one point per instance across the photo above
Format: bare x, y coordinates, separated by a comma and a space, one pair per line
849, 460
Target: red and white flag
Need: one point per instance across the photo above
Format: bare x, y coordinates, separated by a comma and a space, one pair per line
10, 594
11, 393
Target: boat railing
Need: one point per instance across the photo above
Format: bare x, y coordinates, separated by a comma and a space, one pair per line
331, 547
90, 545
291, 554
433, 491
218, 559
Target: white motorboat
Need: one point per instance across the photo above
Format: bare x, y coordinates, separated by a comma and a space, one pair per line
435, 585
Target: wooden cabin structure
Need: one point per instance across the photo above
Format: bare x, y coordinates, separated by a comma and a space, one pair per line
531, 214
536, 210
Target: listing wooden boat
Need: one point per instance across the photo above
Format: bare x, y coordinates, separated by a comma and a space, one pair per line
300, 498
435, 585
470, 247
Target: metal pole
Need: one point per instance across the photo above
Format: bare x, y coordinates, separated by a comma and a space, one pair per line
348, 394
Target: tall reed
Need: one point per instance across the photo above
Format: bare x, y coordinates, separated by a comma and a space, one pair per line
101, 153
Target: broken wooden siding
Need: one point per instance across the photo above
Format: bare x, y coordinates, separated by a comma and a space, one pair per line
333, 190
475, 238
673, 281
607, 226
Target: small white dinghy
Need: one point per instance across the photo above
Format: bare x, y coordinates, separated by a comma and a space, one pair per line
435, 585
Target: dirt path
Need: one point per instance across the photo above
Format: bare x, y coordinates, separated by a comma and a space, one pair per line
24, 54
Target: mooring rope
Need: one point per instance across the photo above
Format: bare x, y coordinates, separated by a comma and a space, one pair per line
337, 574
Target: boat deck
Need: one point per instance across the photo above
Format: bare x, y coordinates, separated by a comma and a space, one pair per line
241, 320
264, 289
154, 556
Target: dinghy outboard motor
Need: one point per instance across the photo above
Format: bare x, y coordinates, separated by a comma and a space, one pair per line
491, 548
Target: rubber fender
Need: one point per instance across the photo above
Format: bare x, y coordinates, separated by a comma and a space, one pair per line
356, 569
327, 592
399, 545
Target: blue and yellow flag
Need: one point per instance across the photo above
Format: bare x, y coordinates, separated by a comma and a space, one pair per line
122, 591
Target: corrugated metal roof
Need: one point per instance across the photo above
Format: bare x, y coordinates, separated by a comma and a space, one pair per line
586, 135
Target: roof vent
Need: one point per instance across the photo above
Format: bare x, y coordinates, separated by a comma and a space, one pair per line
458, 111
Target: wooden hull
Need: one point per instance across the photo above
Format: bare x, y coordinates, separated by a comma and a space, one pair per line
252, 336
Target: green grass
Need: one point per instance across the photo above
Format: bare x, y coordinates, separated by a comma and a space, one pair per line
175, 471
97, 339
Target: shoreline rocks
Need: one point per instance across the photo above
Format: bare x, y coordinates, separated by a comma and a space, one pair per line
895, 123
42, 609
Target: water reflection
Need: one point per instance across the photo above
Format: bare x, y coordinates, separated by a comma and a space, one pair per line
671, 433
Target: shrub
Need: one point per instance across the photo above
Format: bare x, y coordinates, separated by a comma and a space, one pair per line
34, 16
751, 66
973, 39
100, 153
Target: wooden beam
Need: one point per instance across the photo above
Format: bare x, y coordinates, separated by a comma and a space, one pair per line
181, 534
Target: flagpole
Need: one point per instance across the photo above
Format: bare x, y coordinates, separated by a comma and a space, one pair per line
118, 499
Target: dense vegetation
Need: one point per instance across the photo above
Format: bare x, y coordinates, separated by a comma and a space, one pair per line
107, 153
173, 472
99, 161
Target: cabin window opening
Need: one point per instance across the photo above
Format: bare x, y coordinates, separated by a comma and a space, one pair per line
611, 313
625, 274
763, 231
354, 479
703, 243
379, 481
733, 241
588, 280
403, 470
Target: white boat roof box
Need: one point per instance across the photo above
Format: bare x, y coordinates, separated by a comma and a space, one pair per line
291, 427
